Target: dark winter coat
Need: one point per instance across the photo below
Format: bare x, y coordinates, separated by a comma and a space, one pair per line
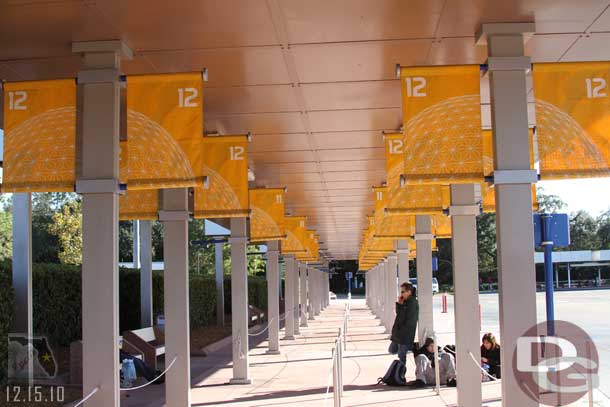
493, 360
403, 331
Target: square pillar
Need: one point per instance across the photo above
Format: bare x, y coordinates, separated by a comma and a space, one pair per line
297, 298
135, 228
146, 284
22, 271
97, 181
513, 193
175, 216
304, 296
319, 292
291, 300
273, 296
220, 283
402, 252
310, 293
392, 288
239, 301
423, 243
464, 209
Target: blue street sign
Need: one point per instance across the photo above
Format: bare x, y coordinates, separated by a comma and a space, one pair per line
559, 233
550, 229
435, 264
348, 275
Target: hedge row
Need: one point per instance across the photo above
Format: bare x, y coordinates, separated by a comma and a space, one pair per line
57, 300
6, 312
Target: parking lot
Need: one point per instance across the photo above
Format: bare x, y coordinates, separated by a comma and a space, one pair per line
585, 308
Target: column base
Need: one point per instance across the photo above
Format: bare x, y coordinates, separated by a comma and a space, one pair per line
288, 338
273, 352
240, 381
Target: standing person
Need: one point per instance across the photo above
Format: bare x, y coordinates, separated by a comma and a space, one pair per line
490, 355
403, 330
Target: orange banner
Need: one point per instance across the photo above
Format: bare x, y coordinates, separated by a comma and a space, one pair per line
165, 130
139, 205
572, 119
267, 214
295, 234
39, 136
442, 124
225, 167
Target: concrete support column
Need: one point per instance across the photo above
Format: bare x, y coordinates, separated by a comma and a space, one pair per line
513, 193
375, 295
146, 285
423, 237
392, 288
320, 292
174, 216
464, 210
402, 252
310, 293
297, 298
99, 119
304, 295
273, 296
291, 300
220, 283
135, 227
239, 301
327, 288
22, 270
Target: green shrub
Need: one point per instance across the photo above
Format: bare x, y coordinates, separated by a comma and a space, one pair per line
57, 300
6, 315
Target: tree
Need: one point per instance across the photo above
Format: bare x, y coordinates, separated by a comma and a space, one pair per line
603, 230
486, 244
6, 235
549, 203
583, 232
67, 226
125, 241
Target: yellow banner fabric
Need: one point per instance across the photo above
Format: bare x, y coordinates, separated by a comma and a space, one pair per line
224, 193
39, 136
164, 130
267, 214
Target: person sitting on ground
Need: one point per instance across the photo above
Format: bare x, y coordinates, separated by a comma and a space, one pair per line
425, 363
490, 355
403, 330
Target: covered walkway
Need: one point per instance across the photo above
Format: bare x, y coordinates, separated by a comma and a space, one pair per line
301, 375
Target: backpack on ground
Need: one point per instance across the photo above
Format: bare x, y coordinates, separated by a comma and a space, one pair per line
395, 376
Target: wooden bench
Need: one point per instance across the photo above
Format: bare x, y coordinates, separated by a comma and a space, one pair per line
150, 342
255, 315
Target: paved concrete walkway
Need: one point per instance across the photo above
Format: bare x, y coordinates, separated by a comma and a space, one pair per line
301, 374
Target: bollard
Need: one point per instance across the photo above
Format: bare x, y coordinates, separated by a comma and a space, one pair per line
444, 311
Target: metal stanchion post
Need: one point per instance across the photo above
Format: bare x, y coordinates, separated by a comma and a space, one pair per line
437, 374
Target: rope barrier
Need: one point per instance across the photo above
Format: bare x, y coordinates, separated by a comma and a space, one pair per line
152, 381
262, 330
88, 397
481, 367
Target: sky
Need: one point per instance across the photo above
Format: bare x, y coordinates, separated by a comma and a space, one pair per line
592, 195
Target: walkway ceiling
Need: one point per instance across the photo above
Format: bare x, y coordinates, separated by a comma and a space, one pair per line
312, 80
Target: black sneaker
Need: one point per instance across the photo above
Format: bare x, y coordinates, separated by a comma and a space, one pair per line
452, 383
